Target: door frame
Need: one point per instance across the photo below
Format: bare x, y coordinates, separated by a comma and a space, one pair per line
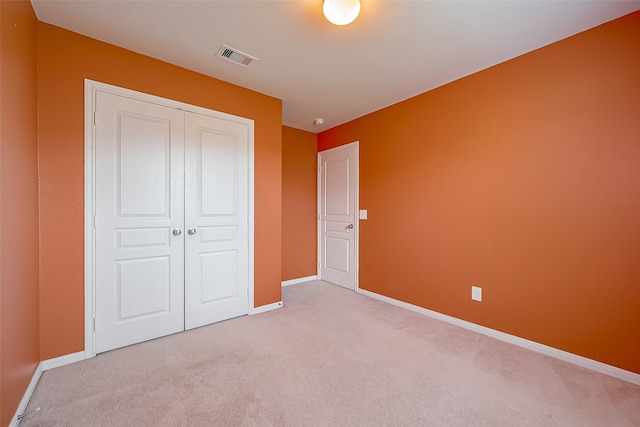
91, 88
356, 239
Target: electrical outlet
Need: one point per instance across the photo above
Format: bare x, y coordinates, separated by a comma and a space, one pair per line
476, 293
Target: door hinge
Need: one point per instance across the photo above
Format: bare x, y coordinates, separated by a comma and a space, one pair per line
94, 221
94, 324
94, 118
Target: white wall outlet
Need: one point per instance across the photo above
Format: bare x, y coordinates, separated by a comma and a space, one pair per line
476, 293
363, 214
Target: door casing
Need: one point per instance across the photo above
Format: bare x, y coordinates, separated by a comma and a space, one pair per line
90, 89
356, 147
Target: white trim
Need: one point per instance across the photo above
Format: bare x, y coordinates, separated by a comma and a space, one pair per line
300, 280
319, 213
356, 249
26, 397
250, 206
265, 308
581, 361
89, 210
356, 221
67, 359
45, 365
90, 89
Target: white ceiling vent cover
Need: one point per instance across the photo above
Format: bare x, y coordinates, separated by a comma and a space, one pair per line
235, 56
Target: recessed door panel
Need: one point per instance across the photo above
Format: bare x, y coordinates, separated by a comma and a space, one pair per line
143, 164
218, 172
340, 227
142, 237
221, 234
337, 254
144, 287
337, 189
219, 276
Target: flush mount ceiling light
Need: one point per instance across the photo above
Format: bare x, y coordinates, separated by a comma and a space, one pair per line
341, 12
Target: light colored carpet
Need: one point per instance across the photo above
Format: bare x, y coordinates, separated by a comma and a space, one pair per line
330, 357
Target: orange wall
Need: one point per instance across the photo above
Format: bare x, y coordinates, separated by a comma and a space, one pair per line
65, 59
19, 353
523, 179
299, 235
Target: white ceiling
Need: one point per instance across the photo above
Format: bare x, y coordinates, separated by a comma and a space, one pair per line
393, 51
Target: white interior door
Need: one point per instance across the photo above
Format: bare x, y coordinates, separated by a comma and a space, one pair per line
216, 252
172, 219
139, 205
338, 224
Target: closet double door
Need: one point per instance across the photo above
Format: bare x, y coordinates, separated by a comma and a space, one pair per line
171, 220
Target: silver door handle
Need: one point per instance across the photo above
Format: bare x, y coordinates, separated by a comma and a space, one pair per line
350, 226
177, 232
192, 231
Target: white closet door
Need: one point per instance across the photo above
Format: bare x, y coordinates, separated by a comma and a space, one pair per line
216, 209
139, 255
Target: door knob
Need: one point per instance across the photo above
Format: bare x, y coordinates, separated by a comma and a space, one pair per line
177, 232
192, 231
350, 226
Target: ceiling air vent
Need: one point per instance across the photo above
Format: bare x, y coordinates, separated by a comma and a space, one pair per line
235, 56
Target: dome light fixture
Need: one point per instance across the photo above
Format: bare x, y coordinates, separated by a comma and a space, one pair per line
341, 12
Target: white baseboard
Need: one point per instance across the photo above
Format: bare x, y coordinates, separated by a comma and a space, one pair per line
27, 395
67, 359
581, 361
45, 365
265, 308
300, 280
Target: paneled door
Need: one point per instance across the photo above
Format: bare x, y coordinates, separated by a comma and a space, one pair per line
338, 224
216, 258
139, 221
171, 220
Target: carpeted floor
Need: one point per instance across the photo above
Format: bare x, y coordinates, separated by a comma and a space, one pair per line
330, 357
